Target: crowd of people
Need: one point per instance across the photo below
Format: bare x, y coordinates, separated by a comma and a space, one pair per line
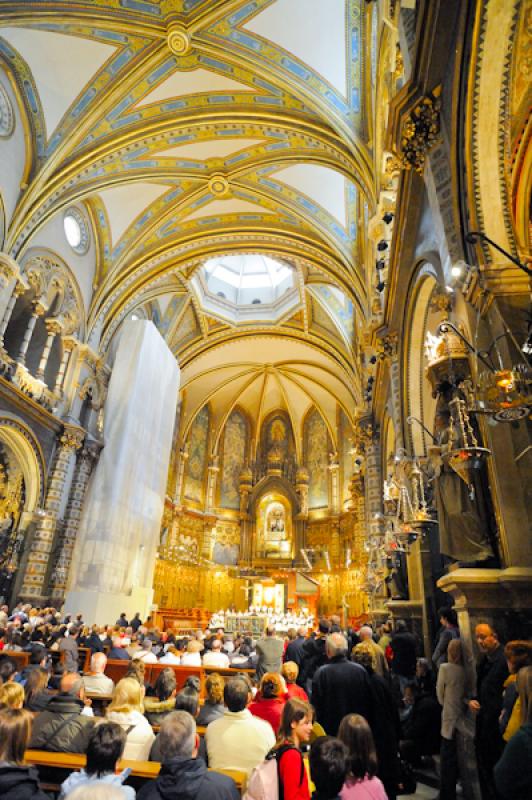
368, 706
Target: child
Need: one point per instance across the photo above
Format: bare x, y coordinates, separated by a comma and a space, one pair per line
106, 746
328, 767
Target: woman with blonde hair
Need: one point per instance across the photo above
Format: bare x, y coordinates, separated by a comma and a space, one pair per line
192, 657
270, 699
518, 654
17, 780
213, 707
290, 671
126, 710
513, 771
11, 695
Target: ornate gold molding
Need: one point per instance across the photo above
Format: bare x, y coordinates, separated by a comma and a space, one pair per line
420, 131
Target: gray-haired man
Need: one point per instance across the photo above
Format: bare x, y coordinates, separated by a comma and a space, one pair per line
182, 773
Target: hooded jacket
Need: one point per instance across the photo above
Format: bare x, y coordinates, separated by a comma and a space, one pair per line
19, 783
61, 727
156, 710
189, 779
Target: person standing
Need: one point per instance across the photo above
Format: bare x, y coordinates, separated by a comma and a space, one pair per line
450, 690
340, 687
270, 652
448, 632
492, 671
404, 651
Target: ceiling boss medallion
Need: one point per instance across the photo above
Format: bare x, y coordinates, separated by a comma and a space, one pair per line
178, 39
219, 185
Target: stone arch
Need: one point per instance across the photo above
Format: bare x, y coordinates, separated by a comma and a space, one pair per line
418, 400
19, 438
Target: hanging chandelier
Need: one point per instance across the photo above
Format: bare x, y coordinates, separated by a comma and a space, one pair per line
407, 513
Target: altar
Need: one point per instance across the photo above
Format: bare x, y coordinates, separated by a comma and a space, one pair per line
256, 623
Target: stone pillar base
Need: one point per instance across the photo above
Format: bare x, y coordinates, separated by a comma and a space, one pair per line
500, 597
101, 608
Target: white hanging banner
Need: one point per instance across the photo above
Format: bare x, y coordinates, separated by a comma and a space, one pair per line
120, 525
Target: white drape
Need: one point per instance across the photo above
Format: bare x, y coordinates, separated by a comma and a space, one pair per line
120, 524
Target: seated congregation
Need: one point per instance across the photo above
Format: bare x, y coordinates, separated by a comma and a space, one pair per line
325, 714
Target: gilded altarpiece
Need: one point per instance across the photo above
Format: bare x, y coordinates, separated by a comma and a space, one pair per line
316, 446
197, 457
234, 456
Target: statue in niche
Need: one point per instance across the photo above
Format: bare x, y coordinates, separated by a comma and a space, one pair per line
463, 513
275, 538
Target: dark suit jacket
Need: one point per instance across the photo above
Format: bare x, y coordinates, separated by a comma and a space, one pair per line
294, 650
339, 688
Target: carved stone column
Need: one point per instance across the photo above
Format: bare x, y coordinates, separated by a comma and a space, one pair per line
53, 327
84, 465
18, 291
41, 545
38, 311
245, 487
334, 472
68, 345
212, 479
183, 458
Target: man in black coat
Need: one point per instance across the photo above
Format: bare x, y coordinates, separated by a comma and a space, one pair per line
61, 727
314, 654
183, 775
340, 687
404, 649
295, 648
492, 671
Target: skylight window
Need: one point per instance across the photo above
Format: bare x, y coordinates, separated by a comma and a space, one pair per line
233, 286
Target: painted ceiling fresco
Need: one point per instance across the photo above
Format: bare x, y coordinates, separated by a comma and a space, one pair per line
187, 129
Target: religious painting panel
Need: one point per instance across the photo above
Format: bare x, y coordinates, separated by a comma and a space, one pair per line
234, 456
197, 457
226, 548
277, 441
316, 458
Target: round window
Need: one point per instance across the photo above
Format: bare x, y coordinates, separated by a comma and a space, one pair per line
76, 230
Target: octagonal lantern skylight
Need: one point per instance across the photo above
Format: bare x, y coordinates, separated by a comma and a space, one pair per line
241, 288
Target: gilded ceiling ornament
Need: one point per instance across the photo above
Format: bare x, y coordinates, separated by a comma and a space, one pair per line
7, 117
420, 131
178, 39
219, 185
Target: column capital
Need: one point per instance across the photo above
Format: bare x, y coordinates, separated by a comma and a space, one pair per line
53, 326
91, 449
72, 437
9, 268
39, 309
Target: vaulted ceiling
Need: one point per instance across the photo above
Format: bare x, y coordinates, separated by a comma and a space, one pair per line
188, 129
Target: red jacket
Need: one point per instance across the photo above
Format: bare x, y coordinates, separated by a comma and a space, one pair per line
290, 773
270, 710
293, 690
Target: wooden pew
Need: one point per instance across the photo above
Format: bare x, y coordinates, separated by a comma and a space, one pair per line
20, 658
116, 670
54, 768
